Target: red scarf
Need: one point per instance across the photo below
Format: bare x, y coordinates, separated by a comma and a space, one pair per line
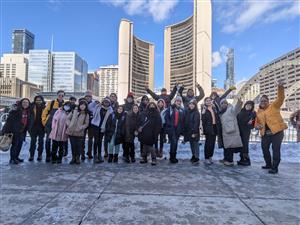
176, 119
24, 120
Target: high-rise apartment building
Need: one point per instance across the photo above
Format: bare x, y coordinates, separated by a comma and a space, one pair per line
187, 53
14, 65
108, 80
136, 62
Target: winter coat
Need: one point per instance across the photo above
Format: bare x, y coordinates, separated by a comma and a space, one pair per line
97, 110
170, 118
36, 123
114, 105
150, 122
271, 116
14, 124
230, 129
186, 99
142, 107
77, 122
115, 126
131, 126
217, 100
192, 125
49, 112
166, 98
59, 126
128, 106
207, 122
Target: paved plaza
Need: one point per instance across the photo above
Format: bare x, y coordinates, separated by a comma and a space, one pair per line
39, 193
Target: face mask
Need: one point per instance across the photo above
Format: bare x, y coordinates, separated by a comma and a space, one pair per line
67, 108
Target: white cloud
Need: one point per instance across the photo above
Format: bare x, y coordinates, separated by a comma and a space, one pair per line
220, 56
216, 59
238, 16
158, 9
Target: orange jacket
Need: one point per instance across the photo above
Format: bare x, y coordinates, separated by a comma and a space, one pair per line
271, 115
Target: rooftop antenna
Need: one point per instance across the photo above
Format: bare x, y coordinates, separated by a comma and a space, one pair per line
52, 43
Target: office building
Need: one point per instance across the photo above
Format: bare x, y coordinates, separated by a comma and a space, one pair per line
22, 41
57, 71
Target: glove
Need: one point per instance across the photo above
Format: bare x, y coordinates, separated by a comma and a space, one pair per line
232, 88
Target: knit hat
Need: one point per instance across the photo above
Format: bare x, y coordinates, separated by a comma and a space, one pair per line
130, 95
106, 99
178, 98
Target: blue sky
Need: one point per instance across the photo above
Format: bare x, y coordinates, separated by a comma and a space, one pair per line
259, 31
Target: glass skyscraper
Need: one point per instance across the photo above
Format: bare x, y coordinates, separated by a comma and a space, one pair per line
57, 71
22, 41
39, 69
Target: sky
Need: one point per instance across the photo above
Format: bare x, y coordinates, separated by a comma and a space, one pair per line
258, 30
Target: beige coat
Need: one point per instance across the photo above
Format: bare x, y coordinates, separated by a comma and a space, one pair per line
77, 123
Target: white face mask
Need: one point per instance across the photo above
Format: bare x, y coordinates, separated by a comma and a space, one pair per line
67, 108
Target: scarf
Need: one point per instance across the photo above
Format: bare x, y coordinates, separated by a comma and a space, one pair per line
24, 120
105, 120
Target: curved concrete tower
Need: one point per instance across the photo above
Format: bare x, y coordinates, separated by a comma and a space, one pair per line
187, 53
136, 63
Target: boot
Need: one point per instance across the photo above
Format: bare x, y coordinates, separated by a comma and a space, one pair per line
143, 160
126, 159
192, 159
59, 160
48, 158
72, 161
132, 160
266, 167
39, 158
77, 160
273, 171
160, 153
82, 157
30, 159
96, 159
110, 158
173, 158
116, 158
195, 161
153, 162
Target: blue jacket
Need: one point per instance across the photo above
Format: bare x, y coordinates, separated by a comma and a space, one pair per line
170, 119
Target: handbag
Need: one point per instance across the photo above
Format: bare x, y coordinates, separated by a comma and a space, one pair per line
5, 142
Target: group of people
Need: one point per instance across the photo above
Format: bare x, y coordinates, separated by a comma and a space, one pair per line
110, 125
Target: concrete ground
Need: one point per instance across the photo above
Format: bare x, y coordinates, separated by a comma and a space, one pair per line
39, 193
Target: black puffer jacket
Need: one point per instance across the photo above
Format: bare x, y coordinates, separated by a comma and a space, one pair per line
151, 124
115, 125
192, 125
128, 106
131, 125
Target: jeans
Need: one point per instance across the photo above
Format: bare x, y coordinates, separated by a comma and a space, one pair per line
195, 148
57, 145
173, 138
98, 137
34, 135
16, 145
161, 140
275, 140
209, 146
76, 145
113, 147
48, 145
129, 149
